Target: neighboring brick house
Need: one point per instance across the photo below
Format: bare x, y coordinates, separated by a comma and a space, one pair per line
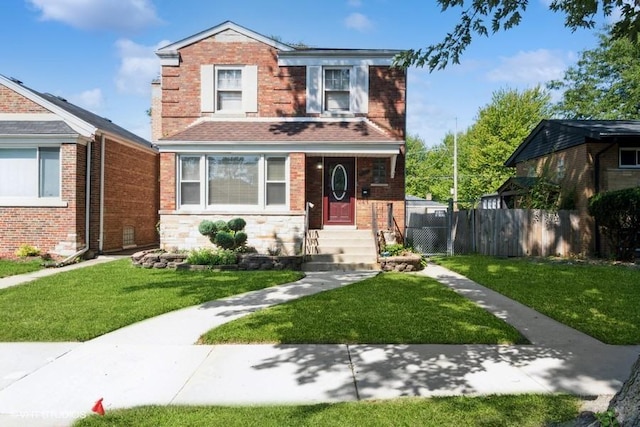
248, 126
583, 157
52, 197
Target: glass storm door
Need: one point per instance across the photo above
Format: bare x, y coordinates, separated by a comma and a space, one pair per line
339, 191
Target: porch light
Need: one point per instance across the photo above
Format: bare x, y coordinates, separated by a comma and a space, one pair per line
319, 164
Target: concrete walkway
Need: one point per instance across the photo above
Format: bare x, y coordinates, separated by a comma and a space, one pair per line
155, 362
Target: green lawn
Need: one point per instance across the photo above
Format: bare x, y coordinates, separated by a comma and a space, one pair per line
599, 300
11, 267
504, 411
388, 308
82, 304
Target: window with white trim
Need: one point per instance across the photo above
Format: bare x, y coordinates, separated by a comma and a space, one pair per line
30, 172
223, 181
228, 89
630, 157
337, 89
560, 169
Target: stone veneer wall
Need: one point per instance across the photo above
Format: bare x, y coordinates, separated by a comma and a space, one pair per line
266, 232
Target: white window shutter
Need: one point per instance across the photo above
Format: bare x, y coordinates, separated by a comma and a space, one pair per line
250, 88
207, 93
360, 89
314, 89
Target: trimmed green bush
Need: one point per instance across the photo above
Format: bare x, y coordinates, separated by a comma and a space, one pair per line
212, 257
207, 228
618, 214
225, 235
25, 251
236, 224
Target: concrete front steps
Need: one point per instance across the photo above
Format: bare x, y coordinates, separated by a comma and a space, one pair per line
340, 249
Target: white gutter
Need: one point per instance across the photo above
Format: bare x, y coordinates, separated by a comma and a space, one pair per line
87, 212
101, 235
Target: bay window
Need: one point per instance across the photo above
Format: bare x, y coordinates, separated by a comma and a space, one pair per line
30, 172
223, 181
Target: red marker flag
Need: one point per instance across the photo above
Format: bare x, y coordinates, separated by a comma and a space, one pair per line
97, 407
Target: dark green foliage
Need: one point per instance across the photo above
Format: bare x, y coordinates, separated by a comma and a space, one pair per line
224, 239
236, 224
240, 238
618, 214
207, 228
221, 225
212, 257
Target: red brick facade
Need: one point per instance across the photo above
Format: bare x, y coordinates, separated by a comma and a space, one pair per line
281, 93
131, 191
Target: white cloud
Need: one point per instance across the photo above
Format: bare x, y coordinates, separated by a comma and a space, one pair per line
531, 67
117, 15
359, 22
92, 99
354, 3
138, 66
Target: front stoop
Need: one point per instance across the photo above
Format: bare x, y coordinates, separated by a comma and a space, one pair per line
341, 250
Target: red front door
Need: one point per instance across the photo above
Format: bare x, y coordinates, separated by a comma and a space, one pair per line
339, 191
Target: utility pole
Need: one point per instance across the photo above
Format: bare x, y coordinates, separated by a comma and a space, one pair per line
455, 165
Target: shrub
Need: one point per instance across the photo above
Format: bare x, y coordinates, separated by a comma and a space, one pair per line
26, 251
236, 224
394, 249
225, 240
226, 235
206, 228
207, 256
618, 213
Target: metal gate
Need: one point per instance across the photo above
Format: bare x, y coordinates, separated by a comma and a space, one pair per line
428, 229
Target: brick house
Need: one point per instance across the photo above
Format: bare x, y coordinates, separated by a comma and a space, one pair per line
249, 126
71, 182
583, 157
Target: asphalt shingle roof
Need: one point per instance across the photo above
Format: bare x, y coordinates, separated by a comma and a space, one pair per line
278, 131
35, 127
556, 135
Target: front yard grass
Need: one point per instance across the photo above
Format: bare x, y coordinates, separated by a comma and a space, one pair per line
507, 411
390, 308
12, 267
599, 300
82, 304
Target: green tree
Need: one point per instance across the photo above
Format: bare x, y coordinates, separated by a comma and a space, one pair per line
506, 14
604, 83
500, 127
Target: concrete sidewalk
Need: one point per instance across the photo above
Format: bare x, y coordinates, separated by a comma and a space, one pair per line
155, 362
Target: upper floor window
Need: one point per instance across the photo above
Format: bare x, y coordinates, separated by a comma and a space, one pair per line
337, 89
228, 89
630, 157
30, 172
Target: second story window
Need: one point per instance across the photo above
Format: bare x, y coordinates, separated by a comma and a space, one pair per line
228, 89
336, 89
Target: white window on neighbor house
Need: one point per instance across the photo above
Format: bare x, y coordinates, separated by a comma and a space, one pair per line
560, 169
228, 182
30, 172
337, 89
630, 157
531, 171
228, 89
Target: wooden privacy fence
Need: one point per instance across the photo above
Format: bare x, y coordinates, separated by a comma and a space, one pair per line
516, 232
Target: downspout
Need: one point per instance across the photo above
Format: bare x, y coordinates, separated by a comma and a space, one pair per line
87, 212
101, 235
596, 184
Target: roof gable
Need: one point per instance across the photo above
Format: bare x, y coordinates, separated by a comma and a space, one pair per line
556, 135
78, 119
169, 54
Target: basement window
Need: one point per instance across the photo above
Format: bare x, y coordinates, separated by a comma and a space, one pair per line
128, 237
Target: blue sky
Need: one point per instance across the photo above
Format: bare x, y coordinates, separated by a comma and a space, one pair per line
99, 53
